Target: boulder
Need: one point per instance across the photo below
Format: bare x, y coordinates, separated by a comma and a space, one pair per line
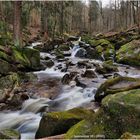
117, 84
33, 56
56, 123
63, 47
49, 63
89, 74
9, 134
6, 67
67, 78
9, 81
129, 53
81, 53
106, 67
118, 114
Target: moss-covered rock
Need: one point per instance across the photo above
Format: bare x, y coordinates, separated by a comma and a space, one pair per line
9, 81
129, 53
91, 128
59, 54
5, 67
118, 114
56, 123
9, 134
121, 113
33, 56
64, 47
115, 85
106, 67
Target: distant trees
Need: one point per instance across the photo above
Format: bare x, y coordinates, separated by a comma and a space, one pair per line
54, 18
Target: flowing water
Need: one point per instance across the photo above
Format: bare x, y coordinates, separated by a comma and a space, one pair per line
26, 121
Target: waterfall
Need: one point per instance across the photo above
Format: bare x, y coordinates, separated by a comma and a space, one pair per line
74, 50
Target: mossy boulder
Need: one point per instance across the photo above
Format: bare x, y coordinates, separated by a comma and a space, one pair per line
9, 81
64, 47
129, 53
26, 58
105, 49
117, 84
9, 134
59, 54
121, 113
56, 123
5, 67
91, 128
33, 56
118, 114
86, 38
106, 67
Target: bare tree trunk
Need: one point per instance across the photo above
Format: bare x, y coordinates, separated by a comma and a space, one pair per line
44, 25
17, 23
1, 11
62, 18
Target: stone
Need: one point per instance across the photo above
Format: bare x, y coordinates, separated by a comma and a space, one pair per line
81, 53
89, 74
129, 53
56, 123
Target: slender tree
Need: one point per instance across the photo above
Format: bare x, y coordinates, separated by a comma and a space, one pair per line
17, 23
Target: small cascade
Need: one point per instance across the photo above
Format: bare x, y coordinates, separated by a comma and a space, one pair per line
74, 50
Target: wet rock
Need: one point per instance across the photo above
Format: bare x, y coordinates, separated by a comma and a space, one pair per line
63, 47
49, 63
129, 53
6, 67
81, 53
92, 53
79, 83
114, 85
106, 67
89, 74
59, 122
85, 64
9, 134
59, 54
9, 81
67, 78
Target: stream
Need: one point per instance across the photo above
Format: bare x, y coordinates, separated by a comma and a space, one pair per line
26, 121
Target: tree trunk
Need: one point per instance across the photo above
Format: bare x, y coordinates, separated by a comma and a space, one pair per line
17, 23
62, 18
44, 21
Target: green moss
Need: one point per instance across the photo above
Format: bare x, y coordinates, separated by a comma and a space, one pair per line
9, 81
4, 56
64, 47
59, 54
121, 113
9, 134
5, 67
20, 57
33, 56
129, 53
